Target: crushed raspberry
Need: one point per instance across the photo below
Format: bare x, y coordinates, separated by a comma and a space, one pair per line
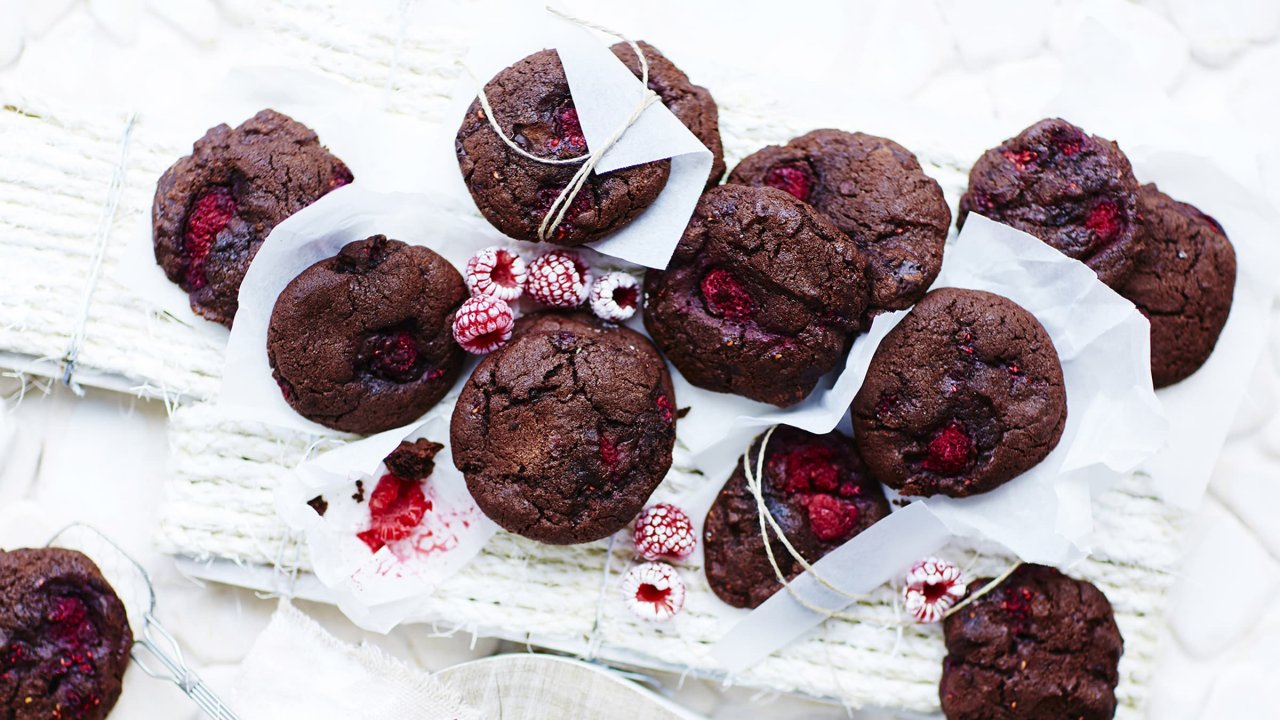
615, 296
1013, 368
581, 204
497, 272
1016, 602
793, 178
885, 404
341, 176
808, 468
664, 408
209, 215
1217, 226
1104, 220
608, 453
831, 518
933, 587
569, 138
653, 591
559, 279
483, 324
950, 451
664, 531
393, 356
396, 507
1068, 140
1021, 160
725, 297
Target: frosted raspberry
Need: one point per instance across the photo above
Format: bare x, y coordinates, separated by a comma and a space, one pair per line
559, 279
497, 272
664, 530
933, 587
653, 591
615, 296
483, 324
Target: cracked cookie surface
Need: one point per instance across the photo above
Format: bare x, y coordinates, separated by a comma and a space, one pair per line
762, 297
815, 486
532, 105
963, 395
1072, 190
1183, 282
564, 433
213, 208
64, 637
1040, 646
875, 191
363, 341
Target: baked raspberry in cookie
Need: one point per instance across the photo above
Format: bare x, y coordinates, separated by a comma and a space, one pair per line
363, 341
564, 433
532, 104
691, 104
1040, 646
214, 208
1183, 282
815, 486
64, 637
762, 297
963, 395
875, 191
1072, 190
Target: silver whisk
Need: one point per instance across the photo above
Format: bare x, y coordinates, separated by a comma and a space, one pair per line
155, 651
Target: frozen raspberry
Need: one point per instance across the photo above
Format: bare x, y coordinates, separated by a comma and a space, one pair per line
653, 591
794, 178
208, 216
393, 356
664, 531
831, 518
725, 297
950, 451
559, 279
497, 272
933, 587
1104, 220
396, 507
483, 324
615, 296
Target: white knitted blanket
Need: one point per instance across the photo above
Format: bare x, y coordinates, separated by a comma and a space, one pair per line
56, 178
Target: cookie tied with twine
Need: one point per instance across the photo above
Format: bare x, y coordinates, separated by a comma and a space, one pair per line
526, 162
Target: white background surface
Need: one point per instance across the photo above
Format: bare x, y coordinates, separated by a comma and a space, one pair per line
102, 459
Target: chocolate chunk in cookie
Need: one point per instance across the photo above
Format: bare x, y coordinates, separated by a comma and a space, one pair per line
532, 105
762, 297
64, 637
691, 104
963, 395
363, 341
1183, 282
1040, 646
815, 487
564, 433
1074, 191
876, 192
214, 207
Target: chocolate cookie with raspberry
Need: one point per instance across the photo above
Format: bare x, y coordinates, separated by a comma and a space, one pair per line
214, 208
963, 395
1072, 190
1183, 282
363, 341
532, 104
762, 297
1040, 646
875, 191
64, 637
815, 486
564, 432
691, 104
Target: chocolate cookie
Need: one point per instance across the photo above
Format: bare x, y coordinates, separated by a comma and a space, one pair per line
1074, 191
876, 192
691, 104
565, 432
363, 341
762, 296
1183, 282
64, 637
1040, 646
532, 105
214, 207
815, 487
963, 395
